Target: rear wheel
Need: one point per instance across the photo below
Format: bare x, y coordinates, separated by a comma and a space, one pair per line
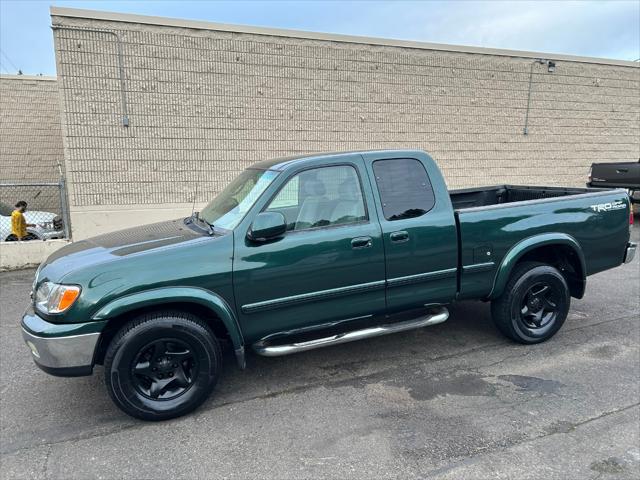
534, 305
162, 365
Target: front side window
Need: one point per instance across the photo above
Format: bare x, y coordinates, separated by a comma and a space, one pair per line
321, 197
404, 186
288, 196
232, 204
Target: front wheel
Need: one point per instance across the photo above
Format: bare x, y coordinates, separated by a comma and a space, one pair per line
534, 305
162, 365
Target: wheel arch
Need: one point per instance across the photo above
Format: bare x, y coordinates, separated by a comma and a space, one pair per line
557, 249
205, 304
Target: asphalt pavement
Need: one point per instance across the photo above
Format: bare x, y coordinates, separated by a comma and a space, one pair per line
452, 401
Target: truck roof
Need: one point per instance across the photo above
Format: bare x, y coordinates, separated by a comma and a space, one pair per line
282, 163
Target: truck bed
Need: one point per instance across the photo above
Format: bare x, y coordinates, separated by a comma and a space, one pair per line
491, 220
501, 194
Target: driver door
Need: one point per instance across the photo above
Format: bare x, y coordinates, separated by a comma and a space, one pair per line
328, 267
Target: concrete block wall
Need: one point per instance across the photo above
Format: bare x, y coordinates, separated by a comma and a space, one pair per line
205, 101
30, 133
30, 140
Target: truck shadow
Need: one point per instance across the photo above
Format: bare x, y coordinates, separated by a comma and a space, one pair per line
469, 327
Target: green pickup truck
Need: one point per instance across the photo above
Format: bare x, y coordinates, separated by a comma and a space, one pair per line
309, 251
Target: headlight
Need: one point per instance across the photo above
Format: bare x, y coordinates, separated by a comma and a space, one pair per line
46, 225
55, 298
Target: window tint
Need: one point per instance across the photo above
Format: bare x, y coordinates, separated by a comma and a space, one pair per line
321, 197
405, 189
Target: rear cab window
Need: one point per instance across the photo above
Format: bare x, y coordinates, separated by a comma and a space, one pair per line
404, 187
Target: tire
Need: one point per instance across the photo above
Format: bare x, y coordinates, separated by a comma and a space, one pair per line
521, 317
162, 365
29, 236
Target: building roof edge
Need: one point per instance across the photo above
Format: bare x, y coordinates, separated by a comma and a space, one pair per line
279, 32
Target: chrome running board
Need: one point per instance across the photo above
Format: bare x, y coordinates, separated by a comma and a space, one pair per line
438, 315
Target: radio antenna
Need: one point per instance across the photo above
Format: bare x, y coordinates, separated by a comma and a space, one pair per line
195, 197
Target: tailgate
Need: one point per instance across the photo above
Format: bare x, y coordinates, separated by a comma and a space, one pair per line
623, 175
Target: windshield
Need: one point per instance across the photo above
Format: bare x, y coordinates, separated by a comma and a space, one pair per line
231, 205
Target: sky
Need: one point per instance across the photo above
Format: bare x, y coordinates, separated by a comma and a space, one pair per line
608, 29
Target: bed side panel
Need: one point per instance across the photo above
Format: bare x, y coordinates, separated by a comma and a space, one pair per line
599, 222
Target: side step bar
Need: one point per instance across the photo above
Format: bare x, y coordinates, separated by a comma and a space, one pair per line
438, 315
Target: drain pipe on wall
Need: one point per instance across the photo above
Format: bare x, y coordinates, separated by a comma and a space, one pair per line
123, 91
551, 67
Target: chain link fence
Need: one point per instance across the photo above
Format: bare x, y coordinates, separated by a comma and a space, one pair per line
46, 214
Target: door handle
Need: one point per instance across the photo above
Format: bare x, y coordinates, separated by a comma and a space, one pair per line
622, 170
361, 242
399, 237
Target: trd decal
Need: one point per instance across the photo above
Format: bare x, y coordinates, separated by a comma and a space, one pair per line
606, 207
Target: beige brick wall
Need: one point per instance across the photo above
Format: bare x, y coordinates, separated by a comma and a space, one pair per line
30, 141
204, 104
30, 135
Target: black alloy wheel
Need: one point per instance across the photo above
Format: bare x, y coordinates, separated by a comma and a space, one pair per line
534, 304
164, 369
162, 365
539, 305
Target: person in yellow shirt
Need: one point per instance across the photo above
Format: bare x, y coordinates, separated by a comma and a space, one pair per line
18, 223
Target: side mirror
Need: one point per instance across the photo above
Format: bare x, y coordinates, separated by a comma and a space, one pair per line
267, 226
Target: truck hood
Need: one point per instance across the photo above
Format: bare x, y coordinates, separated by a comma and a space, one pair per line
118, 264
117, 246
38, 217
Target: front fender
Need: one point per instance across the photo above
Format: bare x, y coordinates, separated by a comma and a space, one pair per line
528, 244
167, 295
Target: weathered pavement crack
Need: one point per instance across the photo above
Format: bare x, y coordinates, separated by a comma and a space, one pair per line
45, 464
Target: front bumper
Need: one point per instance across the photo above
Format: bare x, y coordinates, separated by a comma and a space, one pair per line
65, 350
630, 252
